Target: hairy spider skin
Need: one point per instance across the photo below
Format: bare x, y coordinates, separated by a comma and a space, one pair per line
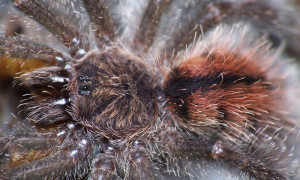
28, 54
101, 20
229, 84
43, 11
272, 17
115, 94
150, 18
135, 94
222, 88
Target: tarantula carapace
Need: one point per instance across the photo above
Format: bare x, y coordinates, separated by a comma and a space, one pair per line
137, 93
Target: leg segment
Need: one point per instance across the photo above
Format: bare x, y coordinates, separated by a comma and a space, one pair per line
54, 20
19, 48
47, 82
48, 112
191, 147
149, 24
141, 165
18, 151
101, 19
51, 97
269, 17
19, 56
133, 162
54, 165
44, 155
104, 166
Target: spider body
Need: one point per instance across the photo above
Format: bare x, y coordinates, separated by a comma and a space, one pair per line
128, 106
108, 109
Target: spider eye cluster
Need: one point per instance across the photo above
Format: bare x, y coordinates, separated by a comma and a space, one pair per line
85, 85
113, 94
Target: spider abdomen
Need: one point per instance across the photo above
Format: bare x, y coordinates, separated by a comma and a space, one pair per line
226, 85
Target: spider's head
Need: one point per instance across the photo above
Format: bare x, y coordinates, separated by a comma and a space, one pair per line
112, 93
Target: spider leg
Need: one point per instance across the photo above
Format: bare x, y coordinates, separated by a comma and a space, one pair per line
17, 151
48, 112
263, 14
103, 167
149, 24
19, 55
47, 154
52, 18
22, 149
19, 48
141, 165
3, 141
102, 21
47, 84
180, 144
132, 163
211, 15
54, 165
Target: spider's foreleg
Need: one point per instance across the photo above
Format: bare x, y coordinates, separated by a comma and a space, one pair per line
102, 21
54, 20
47, 82
51, 95
19, 55
149, 24
54, 165
15, 47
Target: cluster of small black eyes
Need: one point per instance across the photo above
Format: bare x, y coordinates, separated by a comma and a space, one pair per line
84, 85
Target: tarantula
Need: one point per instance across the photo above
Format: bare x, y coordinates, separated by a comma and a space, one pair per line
156, 90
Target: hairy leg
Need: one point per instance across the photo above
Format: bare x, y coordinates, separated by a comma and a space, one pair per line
102, 21
193, 147
149, 24
47, 154
52, 18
